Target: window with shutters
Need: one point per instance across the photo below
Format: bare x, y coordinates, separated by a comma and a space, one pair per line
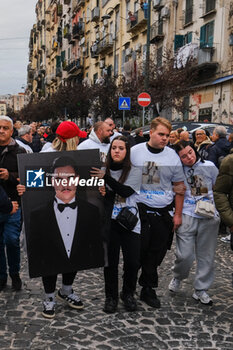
188, 12
181, 40
95, 77
207, 35
209, 5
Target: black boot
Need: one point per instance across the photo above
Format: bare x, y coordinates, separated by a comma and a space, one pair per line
110, 305
129, 302
148, 295
2, 284
16, 282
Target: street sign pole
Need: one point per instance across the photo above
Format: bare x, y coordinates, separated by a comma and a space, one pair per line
143, 116
144, 100
124, 105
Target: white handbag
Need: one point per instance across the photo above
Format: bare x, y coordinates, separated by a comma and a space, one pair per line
205, 208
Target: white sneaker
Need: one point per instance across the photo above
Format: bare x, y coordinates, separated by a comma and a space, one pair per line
174, 285
226, 239
49, 308
203, 297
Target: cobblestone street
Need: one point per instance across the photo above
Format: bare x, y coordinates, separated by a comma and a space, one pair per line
181, 323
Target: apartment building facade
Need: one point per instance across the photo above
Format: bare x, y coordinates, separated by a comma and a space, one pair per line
14, 102
3, 108
87, 40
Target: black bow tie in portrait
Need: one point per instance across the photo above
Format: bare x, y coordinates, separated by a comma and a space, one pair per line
62, 206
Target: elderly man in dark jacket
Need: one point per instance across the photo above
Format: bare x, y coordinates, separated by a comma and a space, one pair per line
221, 146
10, 224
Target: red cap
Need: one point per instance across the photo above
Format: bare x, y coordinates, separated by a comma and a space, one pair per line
67, 130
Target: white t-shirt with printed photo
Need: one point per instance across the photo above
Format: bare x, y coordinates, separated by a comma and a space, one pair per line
133, 180
199, 182
159, 171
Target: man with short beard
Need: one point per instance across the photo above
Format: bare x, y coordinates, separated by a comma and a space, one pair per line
99, 138
112, 125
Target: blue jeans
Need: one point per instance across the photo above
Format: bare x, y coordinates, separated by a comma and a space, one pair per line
10, 227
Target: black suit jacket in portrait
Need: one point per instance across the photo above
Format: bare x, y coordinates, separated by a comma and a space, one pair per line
46, 251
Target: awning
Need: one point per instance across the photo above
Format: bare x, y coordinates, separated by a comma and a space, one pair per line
215, 82
221, 80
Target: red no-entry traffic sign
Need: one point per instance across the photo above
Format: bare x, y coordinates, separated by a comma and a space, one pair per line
144, 99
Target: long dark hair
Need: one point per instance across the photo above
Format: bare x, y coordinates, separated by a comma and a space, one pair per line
183, 144
126, 163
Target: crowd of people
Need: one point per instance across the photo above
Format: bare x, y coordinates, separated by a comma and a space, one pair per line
175, 183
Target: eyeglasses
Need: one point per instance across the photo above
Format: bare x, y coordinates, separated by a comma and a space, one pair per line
200, 134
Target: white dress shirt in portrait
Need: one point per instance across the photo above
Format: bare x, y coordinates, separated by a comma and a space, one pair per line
66, 221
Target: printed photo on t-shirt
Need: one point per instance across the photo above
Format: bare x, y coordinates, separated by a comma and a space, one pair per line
103, 157
119, 199
197, 184
150, 173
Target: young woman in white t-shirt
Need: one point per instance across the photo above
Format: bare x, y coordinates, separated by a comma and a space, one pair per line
122, 182
197, 236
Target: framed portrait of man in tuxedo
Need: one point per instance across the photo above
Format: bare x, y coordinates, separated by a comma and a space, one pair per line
62, 228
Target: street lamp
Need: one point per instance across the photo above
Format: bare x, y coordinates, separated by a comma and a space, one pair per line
147, 65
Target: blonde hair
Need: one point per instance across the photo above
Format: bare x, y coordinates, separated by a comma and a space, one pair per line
69, 145
160, 121
174, 132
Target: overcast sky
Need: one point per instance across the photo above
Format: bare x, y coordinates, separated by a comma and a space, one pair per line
17, 19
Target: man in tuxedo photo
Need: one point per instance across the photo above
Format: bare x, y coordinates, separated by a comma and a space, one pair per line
62, 238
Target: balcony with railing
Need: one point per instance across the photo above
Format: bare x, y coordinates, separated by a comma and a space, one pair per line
70, 38
58, 71
74, 65
81, 2
59, 10
78, 30
94, 50
156, 32
95, 14
48, 26
136, 21
66, 31
106, 44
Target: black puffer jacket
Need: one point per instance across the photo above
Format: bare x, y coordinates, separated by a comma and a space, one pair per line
219, 150
8, 160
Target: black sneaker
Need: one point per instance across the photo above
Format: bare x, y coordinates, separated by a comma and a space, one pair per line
72, 300
148, 295
2, 284
129, 302
16, 282
110, 305
49, 308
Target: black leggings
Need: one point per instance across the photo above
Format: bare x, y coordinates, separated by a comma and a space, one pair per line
129, 242
49, 282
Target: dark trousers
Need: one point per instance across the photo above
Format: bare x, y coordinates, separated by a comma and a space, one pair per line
156, 239
129, 242
10, 227
49, 282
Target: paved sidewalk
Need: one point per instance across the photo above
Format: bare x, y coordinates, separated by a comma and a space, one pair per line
181, 323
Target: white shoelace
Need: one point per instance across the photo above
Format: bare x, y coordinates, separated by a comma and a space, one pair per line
73, 297
49, 305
